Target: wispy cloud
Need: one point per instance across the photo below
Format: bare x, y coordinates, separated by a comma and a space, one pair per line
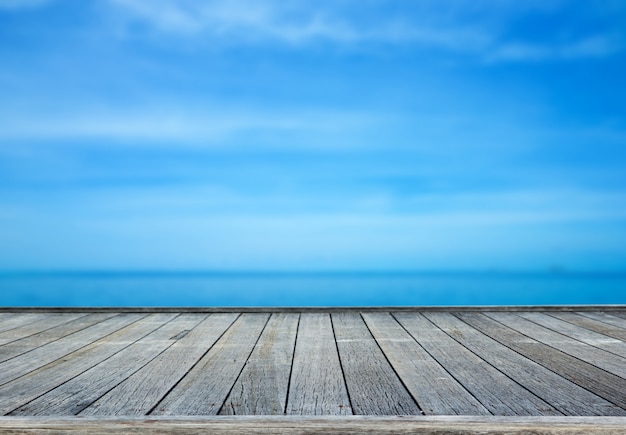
468, 207
179, 127
246, 21
475, 28
589, 47
312, 133
243, 20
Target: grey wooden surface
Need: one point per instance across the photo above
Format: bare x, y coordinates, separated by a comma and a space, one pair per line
25, 343
125, 329
563, 394
78, 393
609, 318
11, 321
100, 365
586, 352
592, 324
498, 393
572, 331
307, 425
262, 387
436, 390
38, 326
317, 383
205, 388
604, 384
373, 386
21, 365
139, 393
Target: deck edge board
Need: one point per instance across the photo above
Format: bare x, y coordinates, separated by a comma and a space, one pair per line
311, 424
304, 309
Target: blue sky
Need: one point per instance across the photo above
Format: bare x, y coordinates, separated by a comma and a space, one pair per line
312, 135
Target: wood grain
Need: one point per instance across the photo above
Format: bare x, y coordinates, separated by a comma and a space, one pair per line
600, 358
206, 386
290, 425
11, 322
604, 384
496, 392
607, 318
434, 389
373, 386
592, 325
141, 392
31, 328
123, 329
564, 395
262, 387
302, 366
317, 386
26, 344
27, 362
73, 396
571, 330
6, 315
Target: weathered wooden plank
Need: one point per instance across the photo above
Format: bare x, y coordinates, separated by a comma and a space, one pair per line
77, 383
434, 389
317, 386
27, 362
206, 386
564, 395
8, 315
497, 392
592, 325
138, 394
27, 344
373, 386
606, 318
601, 341
600, 358
262, 387
4, 315
120, 331
621, 314
600, 382
73, 396
49, 321
291, 425
20, 320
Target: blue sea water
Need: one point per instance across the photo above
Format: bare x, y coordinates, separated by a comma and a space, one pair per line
309, 289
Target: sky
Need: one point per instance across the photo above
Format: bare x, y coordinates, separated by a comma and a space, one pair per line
312, 135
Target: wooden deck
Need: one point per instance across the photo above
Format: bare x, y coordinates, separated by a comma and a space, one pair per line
504, 369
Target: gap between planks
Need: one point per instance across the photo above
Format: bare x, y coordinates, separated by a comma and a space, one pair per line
346, 329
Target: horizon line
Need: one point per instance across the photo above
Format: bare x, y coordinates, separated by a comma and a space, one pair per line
267, 272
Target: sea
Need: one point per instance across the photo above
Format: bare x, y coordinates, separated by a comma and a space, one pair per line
245, 289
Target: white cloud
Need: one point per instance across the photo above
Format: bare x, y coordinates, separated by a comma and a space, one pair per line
237, 21
471, 27
179, 126
589, 47
464, 208
254, 21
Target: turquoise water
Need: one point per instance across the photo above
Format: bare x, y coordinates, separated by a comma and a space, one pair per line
309, 289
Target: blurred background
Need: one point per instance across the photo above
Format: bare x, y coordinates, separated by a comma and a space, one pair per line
236, 152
